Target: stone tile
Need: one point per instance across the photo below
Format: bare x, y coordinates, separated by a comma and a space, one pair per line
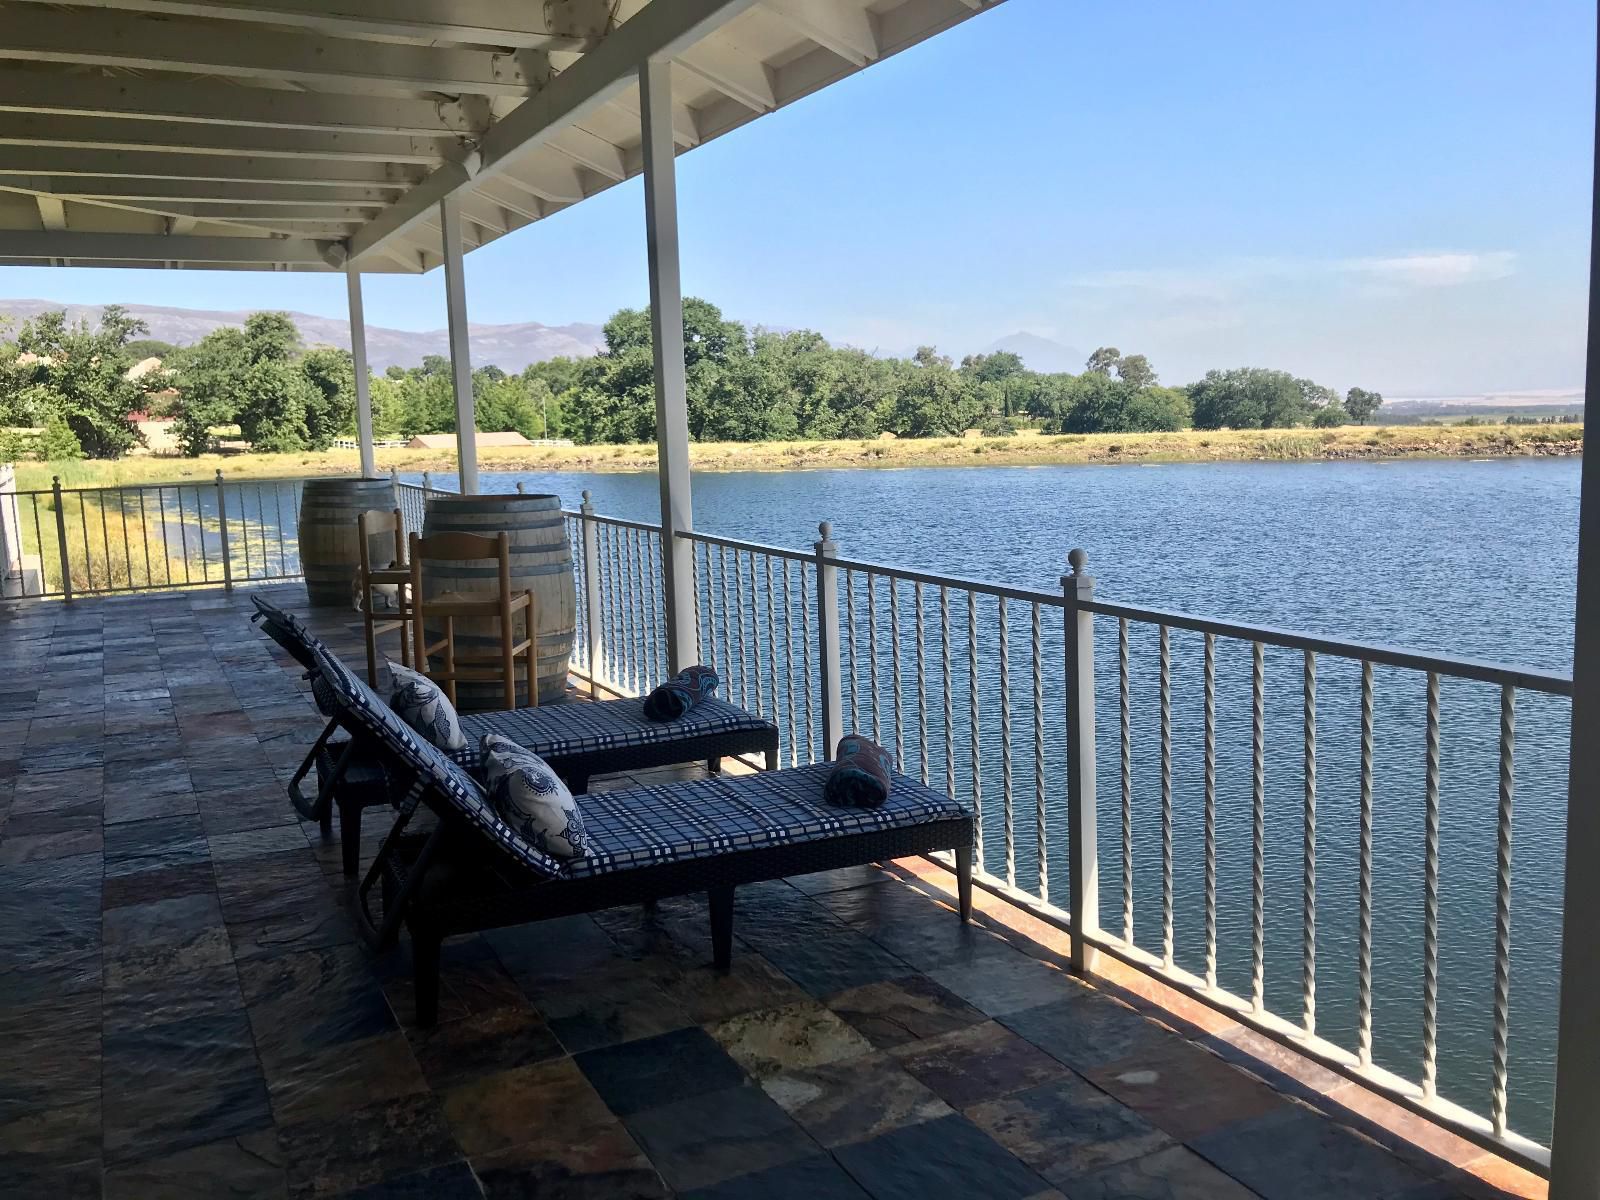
771, 1040
243, 1167
158, 883
597, 1162
452, 1181
270, 840
497, 1111
1067, 1128
706, 1139
334, 1079
182, 1084
804, 1179
708, 994
146, 807
853, 1100
366, 1145
1089, 1030
826, 961
653, 1071
453, 1052
1184, 1089
947, 1157
50, 1055
1176, 1173
620, 1002
57, 1181
172, 840
37, 847
818, 882
1296, 1153
309, 1000
896, 1011
1005, 984
979, 1063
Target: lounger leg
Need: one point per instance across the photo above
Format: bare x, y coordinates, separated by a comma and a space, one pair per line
721, 899
772, 759
350, 837
964, 881
714, 765
425, 976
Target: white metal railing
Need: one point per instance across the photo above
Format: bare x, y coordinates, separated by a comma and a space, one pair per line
992, 692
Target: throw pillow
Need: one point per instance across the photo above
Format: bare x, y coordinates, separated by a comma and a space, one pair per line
425, 707
531, 798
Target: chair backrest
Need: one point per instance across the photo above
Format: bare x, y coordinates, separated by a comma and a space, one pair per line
375, 521
289, 632
461, 547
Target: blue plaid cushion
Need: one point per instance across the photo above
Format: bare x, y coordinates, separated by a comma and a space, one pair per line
363, 706
558, 730
290, 632
678, 821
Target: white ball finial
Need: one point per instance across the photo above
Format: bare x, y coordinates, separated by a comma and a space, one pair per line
825, 528
1075, 560
586, 495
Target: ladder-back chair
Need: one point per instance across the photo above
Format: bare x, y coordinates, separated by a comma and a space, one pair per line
370, 524
501, 605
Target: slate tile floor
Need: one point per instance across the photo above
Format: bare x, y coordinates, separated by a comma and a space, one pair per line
185, 1009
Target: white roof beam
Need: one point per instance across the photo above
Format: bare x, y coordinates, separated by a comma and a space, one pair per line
52, 212
846, 29
150, 247
549, 177
132, 98
511, 197
685, 126
602, 74
137, 164
569, 24
38, 34
263, 195
735, 74
91, 133
588, 150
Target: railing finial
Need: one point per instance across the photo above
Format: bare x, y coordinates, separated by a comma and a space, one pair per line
587, 495
825, 528
1075, 559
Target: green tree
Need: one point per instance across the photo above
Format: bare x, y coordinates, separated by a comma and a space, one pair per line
210, 379
1247, 398
274, 400
80, 375
57, 442
331, 412
1103, 360
1362, 405
1135, 371
271, 335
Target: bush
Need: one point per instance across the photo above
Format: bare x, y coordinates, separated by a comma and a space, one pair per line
57, 442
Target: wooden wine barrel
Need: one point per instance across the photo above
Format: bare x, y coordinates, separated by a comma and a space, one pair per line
329, 555
541, 561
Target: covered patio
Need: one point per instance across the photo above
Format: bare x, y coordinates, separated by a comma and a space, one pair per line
188, 1010
187, 1005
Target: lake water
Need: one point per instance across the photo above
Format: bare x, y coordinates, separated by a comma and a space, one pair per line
1467, 558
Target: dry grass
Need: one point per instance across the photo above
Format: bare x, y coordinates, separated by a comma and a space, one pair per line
1388, 441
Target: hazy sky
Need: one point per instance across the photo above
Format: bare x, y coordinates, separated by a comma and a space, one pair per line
1393, 195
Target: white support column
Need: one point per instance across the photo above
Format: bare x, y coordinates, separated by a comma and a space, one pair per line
666, 331
455, 295
1575, 1143
358, 356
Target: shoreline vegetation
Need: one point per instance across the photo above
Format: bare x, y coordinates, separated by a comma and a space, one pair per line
1369, 442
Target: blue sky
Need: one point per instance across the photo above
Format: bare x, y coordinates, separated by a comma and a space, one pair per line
1391, 195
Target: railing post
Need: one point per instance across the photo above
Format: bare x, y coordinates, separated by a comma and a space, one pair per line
61, 538
828, 641
222, 522
592, 616
427, 481
1082, 850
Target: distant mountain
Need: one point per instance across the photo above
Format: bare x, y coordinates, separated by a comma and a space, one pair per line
510, 347
1039, 353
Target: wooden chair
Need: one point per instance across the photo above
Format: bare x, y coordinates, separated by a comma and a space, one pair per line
447, 607
369, 524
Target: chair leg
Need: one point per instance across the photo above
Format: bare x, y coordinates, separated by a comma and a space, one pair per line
425, 975
772, 759
964, 881
350, 838
714, 765
721, 899
372, 643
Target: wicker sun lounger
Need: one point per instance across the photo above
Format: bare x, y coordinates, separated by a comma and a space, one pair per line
576, 739
472, 872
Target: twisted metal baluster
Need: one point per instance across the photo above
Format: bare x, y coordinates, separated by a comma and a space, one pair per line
144, 525
972, 709
805, 666
1210, 688
1258, 830
1166, 797
127, 544
650, 545
1502, 911
922, 688
1038, 758
1308, 911
850, 621
1005, 745
1430, 897
949, 711
788, 659
755, 630
1364, 870
1127, 780
894, 668
732, 653
872, 656
641, 648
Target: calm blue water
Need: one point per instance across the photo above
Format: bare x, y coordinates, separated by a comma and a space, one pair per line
1467, 558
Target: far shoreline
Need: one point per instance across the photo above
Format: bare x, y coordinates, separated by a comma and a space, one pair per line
1374, 443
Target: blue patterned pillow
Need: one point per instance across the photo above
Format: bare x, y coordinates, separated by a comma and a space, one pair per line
426, 708
531, 798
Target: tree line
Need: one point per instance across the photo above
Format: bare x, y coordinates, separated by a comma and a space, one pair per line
742, 385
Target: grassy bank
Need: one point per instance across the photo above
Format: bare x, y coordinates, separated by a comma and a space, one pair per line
1251, 445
